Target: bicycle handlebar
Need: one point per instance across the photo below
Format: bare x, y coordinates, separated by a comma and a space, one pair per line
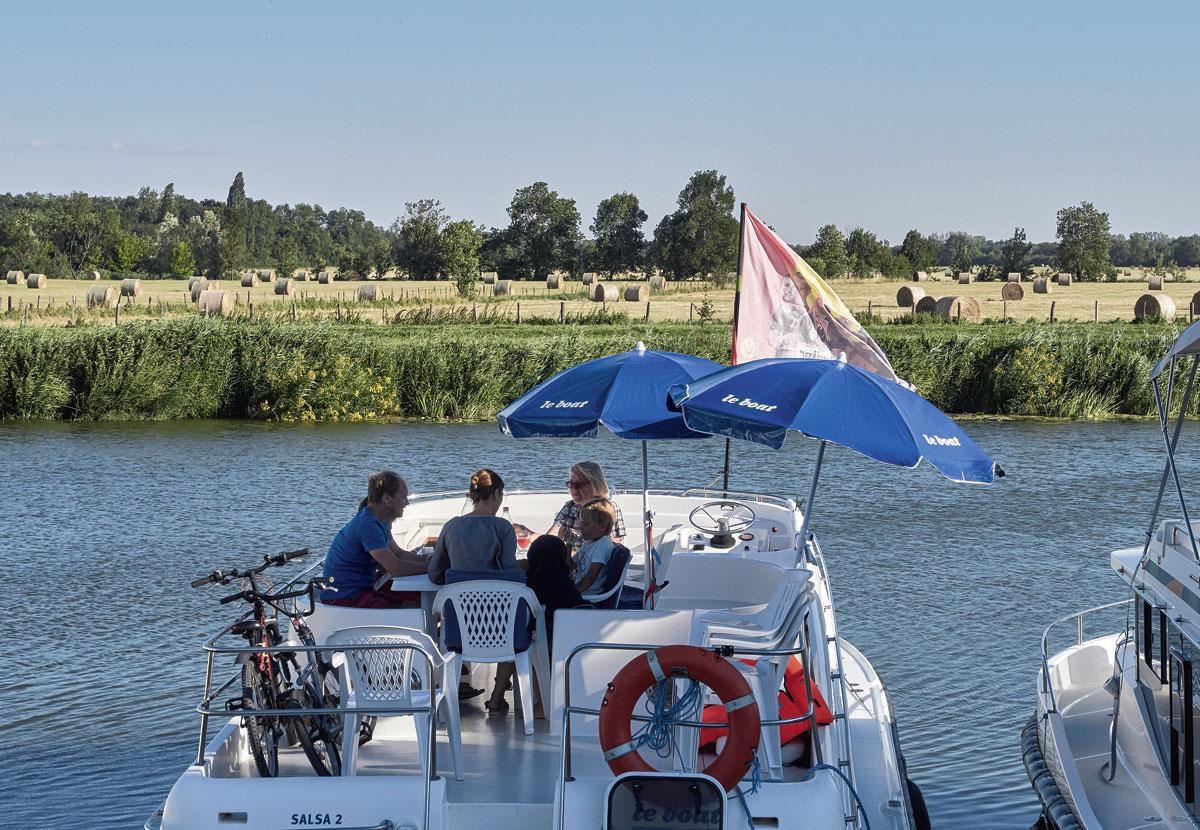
224, 577
314, 584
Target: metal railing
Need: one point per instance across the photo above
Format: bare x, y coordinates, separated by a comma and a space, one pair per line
206, 710
841, 710
1078, 617
725, 651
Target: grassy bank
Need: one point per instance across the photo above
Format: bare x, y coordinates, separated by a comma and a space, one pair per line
329, 371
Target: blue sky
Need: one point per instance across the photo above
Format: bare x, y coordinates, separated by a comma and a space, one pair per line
936, 115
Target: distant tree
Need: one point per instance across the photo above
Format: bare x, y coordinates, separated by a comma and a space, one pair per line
233, 229
1149, 248
21, 246
830, 249
167, 205
78, 232
1083, 242
461, 241
961, 250
182, 262
379, 254
128, 251
1186, 251
894, 266
864, 252
542, 231
417, 249
1014, 253
287, 257
1118, 250
920, 251
620, 243
701, 236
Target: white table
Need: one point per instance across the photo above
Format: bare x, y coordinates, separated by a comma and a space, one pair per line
422, 584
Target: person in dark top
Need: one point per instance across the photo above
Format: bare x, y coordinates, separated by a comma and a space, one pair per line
364, 549
550, 578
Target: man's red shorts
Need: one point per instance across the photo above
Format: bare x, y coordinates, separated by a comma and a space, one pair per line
380, 598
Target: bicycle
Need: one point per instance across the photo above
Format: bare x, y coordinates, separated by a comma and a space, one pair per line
276, 680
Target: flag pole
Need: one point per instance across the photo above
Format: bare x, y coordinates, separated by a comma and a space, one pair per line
737, 298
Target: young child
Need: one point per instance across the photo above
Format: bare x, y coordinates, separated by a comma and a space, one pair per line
596, 519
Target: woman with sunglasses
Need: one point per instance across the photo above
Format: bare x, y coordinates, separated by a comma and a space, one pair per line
586, 482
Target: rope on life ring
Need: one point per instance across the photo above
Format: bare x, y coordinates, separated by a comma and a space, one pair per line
702, 665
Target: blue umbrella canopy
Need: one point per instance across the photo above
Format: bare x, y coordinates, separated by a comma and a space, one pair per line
626, 392
834, 401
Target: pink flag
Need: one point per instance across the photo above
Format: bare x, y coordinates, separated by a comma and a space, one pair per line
785, 309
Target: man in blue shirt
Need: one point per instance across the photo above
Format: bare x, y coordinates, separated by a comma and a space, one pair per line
364, 549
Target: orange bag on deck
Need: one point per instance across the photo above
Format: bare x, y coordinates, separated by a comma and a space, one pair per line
793, 702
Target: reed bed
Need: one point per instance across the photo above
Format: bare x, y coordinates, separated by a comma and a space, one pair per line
450, 369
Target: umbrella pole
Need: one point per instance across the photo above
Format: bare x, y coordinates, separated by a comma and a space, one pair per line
812, 495
725, 471
647, 530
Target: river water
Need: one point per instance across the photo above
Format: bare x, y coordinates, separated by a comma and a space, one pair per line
944, 587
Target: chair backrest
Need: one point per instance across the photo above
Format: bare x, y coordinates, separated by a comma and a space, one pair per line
327, 619
492, 624
614, 577
385, 675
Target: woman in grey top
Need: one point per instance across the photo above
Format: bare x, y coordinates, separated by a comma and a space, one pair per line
479, 540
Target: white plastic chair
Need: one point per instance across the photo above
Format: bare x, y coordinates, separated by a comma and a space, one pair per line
384, 677
486, 610
599, 600
765, 622
766, 676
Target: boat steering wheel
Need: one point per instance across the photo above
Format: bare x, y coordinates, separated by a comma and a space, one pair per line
722, 517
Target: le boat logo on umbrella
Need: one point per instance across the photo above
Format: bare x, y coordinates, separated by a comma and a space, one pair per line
939, 441
563, 404
749, 404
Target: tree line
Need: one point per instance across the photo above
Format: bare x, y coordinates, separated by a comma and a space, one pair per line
168, 234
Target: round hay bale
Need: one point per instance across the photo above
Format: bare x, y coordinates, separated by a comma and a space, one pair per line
369, 293
1041, 285
1012, 291
1196, 303
637, 292
957, 308
1150, 306
502, 288
103, 295
324, 277
490, 277
35, 281
248, 280
605, 292
920, 276
266, 274
553, 282
658, 283
964, 277
215, 303
301, 276
91, 275
202, 285
908, 296
284, 287
1064, 279
192, 283
1154, 282
131, 288
925, 305
589, 279
1014, 276
14, 277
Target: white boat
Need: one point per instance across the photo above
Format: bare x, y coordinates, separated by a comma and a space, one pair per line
848, 773
1113, 741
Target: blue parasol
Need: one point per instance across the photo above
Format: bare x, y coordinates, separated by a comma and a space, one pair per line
833, 401
627, 393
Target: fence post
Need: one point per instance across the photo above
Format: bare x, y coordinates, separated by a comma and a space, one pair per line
647, 311
691, 309
250, 305
10, 303
117, 315
562, 310
474, 314
518, 311
1005, 311
1096, 311
1052, 311
869, 308
293, 311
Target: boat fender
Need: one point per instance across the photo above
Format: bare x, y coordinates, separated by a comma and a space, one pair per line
916, 801
702, 665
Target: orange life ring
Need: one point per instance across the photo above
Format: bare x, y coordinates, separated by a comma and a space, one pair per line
699, 664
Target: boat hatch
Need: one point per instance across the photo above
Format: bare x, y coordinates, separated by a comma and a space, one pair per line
639, 800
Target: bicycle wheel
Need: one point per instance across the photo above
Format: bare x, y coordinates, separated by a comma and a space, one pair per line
317, 739
262, 732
